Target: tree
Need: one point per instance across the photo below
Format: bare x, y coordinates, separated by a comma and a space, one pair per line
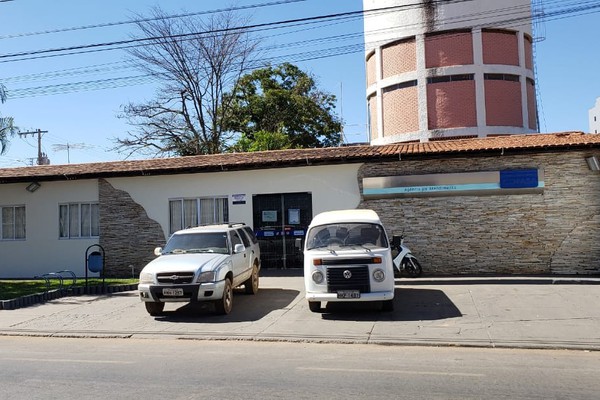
263, 141
197, 61
7, 127
284, 99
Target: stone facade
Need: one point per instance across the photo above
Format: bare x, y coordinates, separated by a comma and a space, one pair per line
127, 234
556, 232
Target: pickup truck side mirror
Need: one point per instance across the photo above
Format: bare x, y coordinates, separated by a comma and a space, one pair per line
158, 251
239, 248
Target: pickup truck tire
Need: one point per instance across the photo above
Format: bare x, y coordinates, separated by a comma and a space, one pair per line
314, 306
224, 305
251, 285
154, 308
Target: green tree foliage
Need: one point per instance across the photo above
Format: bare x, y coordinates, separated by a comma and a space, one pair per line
283, 100
263, 141
7, 127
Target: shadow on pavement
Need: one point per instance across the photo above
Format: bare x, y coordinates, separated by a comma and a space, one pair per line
409, 305
246, 308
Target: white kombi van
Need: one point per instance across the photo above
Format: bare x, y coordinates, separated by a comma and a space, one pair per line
347, 257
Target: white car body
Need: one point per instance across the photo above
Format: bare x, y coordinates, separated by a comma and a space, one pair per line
202, 264
355, 265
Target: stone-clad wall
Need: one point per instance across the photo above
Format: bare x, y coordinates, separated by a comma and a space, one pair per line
127, 234
557, 232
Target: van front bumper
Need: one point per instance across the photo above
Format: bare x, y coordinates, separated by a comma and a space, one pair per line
375, 296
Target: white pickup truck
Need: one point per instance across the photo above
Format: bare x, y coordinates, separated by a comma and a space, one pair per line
347, 257
202, 264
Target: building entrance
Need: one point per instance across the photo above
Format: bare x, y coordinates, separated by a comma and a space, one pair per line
280, 219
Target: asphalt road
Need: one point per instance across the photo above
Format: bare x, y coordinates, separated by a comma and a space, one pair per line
76, 368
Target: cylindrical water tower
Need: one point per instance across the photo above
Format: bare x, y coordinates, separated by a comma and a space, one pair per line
449, 69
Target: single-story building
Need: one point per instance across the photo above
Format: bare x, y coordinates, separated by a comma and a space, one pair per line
521, 204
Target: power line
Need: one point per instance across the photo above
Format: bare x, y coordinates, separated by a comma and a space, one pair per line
509, 13
141, 41
135, 21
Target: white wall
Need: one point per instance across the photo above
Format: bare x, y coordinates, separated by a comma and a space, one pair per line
42, 251
332, 187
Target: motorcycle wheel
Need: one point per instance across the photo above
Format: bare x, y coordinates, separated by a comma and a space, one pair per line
413, 268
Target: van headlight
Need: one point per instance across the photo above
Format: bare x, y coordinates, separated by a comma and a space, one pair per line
146, 278
318, 277
378, 275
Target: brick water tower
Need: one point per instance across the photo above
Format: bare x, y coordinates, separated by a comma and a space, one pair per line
449, 69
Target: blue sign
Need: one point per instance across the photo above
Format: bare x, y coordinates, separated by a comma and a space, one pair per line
518, 179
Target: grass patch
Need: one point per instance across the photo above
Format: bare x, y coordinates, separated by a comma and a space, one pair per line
11, 289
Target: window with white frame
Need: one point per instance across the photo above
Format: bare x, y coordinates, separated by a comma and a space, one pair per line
13, 222
79, 220
186, 213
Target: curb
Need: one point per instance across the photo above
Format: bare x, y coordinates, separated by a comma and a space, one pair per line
553, 280
32, 299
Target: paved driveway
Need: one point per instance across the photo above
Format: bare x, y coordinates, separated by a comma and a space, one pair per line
490, 313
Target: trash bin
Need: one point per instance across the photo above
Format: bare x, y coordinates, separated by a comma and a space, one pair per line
95, 261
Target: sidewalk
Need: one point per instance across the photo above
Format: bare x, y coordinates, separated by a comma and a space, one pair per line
553, 313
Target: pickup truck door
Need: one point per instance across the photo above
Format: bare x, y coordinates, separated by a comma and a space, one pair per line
240, 260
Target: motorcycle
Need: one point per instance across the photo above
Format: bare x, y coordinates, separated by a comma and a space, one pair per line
404, 260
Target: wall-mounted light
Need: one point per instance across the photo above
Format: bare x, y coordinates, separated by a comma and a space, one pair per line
32, 187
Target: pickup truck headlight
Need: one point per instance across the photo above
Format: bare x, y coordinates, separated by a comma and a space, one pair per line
146, 277
208, 276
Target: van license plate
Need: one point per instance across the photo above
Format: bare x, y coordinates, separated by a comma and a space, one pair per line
172, 292
348, 294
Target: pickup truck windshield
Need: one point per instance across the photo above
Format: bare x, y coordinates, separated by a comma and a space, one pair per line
346, 234
204, 242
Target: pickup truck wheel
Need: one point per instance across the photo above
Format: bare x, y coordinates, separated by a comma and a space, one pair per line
314, 306
251, 285
153, 308
224, 305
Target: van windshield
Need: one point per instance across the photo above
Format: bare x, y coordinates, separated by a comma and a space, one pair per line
346, 234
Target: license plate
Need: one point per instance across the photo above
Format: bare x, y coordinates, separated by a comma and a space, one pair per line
348, 294
172, 292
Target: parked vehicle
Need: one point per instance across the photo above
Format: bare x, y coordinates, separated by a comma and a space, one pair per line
347, 257
202, 264
404, 260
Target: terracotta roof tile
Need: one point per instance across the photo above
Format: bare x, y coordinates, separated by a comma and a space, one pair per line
298, 157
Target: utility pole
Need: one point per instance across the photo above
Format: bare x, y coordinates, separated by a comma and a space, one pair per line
42, 158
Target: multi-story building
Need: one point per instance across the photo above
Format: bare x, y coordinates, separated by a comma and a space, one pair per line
449, 69
595, 117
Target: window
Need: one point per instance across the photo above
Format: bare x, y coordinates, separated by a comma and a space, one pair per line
79, 220
244, 238
13, 223
235, 239
502, 77
185, 213
450, 78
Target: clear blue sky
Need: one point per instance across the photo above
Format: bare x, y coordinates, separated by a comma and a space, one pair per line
85, 116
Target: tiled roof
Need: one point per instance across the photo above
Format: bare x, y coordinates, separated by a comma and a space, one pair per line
300, 157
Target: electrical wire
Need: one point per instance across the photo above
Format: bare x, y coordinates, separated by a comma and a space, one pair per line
510, 14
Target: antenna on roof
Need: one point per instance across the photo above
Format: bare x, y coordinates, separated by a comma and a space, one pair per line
68, 147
